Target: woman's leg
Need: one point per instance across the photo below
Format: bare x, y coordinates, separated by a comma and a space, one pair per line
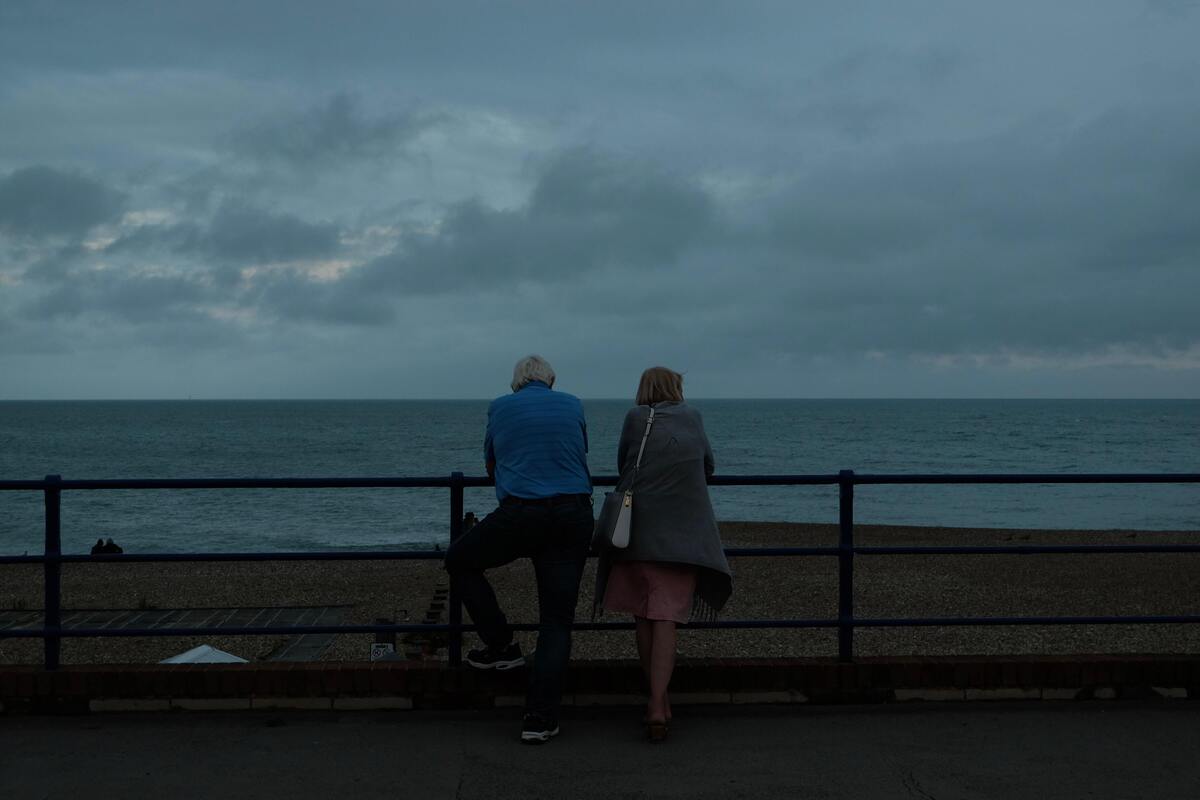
662, 664
645, 638
645, 645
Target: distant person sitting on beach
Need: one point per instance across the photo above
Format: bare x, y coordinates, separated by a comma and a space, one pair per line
103, 548
536, 448
674, 568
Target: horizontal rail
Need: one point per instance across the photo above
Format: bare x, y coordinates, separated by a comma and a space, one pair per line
1026, 549
275, 630
1049, 478
370, 629
731, 552
315, 555
975, 550
442, 482
744, 624
900, 622
242, 483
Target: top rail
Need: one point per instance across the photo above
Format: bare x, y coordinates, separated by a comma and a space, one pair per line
445, 482
1028, 478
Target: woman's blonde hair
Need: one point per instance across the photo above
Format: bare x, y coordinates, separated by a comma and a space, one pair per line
659, 384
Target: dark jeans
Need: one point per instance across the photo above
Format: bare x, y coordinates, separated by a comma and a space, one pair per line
555, 535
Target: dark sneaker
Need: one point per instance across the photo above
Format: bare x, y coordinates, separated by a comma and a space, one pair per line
504, 658
537, 729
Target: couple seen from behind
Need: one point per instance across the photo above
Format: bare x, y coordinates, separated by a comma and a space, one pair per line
673, 569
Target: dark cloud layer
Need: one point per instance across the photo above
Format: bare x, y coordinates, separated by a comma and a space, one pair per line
238, 234
134, 298
242, 233
586, 211
806, 198
294, 297
41, 201
1003, 244
336, 131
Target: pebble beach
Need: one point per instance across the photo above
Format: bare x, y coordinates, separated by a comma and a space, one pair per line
764, 588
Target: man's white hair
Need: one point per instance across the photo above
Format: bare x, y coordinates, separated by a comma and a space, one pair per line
532, 368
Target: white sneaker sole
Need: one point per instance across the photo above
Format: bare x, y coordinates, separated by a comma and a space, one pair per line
497, 665
538, 737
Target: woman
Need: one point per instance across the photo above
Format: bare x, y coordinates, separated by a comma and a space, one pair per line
674, 568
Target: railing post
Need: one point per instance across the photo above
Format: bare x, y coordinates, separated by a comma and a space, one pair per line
454, 647
52, 618
846, 565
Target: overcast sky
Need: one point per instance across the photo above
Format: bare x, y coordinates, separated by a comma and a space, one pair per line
818, 199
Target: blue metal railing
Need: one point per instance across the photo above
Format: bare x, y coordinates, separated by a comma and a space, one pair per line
53, 558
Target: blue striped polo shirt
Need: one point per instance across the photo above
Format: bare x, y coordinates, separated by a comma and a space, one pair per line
538, 439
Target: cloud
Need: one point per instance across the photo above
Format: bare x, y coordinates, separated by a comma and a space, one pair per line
1172, 10
295, 297
747, 193
183, 273
1039, 249
54, 264
238, 234
587, 211
128, 297
41, 201
139, 279
1075, 245
242, 233
331, 133
1010, 243
882, 63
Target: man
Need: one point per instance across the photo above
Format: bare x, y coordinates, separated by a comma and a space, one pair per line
536, 449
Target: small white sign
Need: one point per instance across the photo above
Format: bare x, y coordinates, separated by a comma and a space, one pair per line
381, 650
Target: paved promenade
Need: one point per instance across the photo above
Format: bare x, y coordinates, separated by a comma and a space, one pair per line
1120, 749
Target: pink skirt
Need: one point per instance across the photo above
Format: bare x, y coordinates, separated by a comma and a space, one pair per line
655, 590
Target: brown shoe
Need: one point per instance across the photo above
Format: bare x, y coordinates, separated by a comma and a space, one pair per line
656, 731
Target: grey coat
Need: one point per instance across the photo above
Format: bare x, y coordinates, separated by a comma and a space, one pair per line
673, 518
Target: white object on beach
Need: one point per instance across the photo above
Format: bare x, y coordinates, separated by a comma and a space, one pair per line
204, 655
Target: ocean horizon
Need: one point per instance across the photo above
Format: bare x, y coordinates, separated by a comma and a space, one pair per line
302, 437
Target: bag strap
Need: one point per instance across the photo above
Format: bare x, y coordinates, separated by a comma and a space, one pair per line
638, 464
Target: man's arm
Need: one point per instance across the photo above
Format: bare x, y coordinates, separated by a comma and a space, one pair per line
489, 451
583, 425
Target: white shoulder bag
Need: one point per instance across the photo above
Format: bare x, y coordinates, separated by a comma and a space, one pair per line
622, 525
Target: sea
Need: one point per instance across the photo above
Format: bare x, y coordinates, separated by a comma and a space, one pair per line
371, 438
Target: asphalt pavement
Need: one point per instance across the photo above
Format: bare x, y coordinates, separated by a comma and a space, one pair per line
1117, 749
